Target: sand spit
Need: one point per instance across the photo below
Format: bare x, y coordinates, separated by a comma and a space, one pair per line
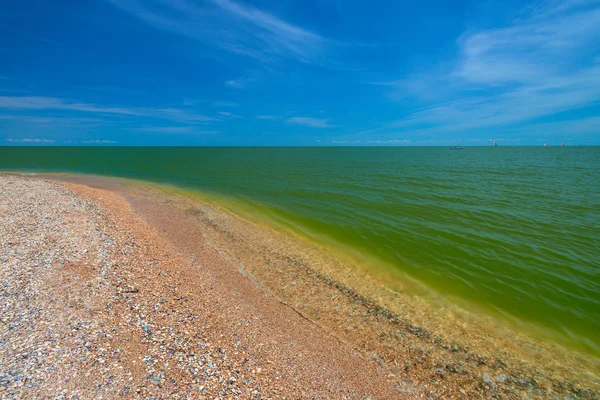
125, 291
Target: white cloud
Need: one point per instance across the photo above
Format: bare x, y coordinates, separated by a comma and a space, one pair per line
176, 114
99, 142
534, 51
176, 130
28, 140
375, 142
391, 141
228, 114
267, 117
55, 120
225, 104
517, 105
53, 103
537, 66
310, 122
236, 83
166, 129
231, 26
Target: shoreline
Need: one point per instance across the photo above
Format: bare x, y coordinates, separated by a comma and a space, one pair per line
395, 332
383, 275
378, 271
112, 309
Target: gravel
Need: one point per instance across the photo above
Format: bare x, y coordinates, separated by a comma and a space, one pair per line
92, 308
73, 325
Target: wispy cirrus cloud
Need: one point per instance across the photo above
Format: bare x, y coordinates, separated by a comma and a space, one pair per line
165, 129
225, 104
53, 103
548, 46
511, 106
267, 117
176, 130
374, 142
55, 122
231, 26
176, 114
542, 64
50, 120
228, 114
236, 83
100, 141
30, 140
310, 122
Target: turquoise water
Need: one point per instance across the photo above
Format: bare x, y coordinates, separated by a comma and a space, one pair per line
513, 230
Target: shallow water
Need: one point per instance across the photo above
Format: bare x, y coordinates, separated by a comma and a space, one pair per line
515, 231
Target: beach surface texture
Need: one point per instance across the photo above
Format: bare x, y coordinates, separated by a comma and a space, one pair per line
123, 291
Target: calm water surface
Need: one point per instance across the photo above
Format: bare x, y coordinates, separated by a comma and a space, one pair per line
514, 230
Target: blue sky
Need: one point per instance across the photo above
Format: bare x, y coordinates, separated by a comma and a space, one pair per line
311, 72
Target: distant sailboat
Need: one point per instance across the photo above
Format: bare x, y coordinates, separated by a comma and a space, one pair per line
495, 144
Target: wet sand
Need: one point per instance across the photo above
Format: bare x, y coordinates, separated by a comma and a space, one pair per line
199, 301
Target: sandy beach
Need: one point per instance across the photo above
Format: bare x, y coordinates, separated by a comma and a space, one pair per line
113, 290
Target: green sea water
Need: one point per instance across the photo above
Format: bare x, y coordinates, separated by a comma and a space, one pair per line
515, 231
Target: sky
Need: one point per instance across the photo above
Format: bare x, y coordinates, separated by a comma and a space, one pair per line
306, 72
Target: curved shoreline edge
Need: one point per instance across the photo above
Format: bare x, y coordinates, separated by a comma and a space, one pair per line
405, 342
378, 271
96, 303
